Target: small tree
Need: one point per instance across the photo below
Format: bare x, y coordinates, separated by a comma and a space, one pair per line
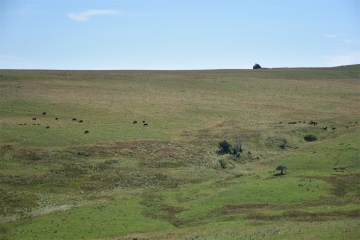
237, 149
281, 168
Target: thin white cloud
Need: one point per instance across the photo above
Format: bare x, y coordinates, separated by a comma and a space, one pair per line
342, 59
85, 16
350, 41
330, 35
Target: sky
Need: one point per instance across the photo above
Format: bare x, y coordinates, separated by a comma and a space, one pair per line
178, 34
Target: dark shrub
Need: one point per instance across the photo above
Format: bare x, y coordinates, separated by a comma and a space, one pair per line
310, 137
224, 147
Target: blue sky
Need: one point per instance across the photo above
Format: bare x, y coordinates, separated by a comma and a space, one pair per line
178, 34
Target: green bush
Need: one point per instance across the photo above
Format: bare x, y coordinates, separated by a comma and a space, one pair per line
310, 137
223, 163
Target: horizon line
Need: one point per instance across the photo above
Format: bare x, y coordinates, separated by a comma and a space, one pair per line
204, 69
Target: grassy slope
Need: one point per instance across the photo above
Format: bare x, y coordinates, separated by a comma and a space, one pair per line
163, 181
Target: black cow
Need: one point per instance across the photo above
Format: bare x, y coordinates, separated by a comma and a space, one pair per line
86, 132
313, 123
74, 119
134, 122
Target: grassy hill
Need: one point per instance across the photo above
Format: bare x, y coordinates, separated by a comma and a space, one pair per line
161, 177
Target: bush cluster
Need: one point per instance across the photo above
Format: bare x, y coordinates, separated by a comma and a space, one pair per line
227, 148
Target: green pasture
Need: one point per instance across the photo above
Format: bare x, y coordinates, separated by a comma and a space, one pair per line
163, 181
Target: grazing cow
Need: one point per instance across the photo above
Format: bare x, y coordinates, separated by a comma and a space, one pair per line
47, 127
347, 126
56, 118
34, 119
280, 122
333, 128
134, 122
86, 132
44, 113
299, 121
292, 123
144, 121
313, 123
74, 119
145, 124
325, 128
80, 121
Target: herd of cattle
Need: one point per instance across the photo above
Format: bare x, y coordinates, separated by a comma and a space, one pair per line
145, 124
315, 123
74, 119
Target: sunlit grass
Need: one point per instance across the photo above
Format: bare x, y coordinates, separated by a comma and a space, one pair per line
163, 180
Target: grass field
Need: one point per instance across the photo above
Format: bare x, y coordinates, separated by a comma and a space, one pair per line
164, 180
